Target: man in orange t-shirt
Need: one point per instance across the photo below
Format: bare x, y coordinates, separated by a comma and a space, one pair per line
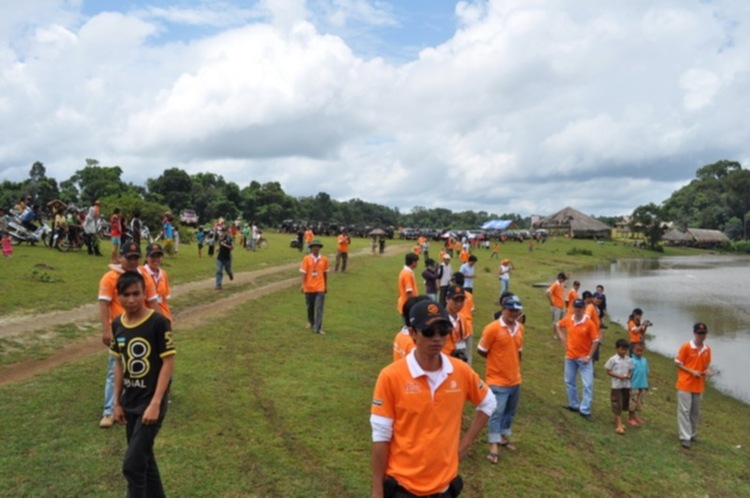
580, 338
693, 367
501, 344
314, 285
556, 297
407, 283
152, 270
109, 309
416, 413
403, 343
309, 236
342, 250
572, 296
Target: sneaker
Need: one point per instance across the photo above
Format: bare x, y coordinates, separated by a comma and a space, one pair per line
106, 422
571, 408
587, 416
685, 443
218, 288
321, 332
231, 276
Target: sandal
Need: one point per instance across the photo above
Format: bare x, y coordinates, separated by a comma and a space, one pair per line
620, 430
492, 458
508, 445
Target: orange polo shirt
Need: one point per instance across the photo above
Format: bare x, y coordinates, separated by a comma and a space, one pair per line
163, 291
467, 314
406, 283
423, 451
632, 335
314, 270
502, 345
580, 336
593, 313
459, 333
556, 289
572, 296
108, 292
695, 359
309, 236
342, 244
402, 344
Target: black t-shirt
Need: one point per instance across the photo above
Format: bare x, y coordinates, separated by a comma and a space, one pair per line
225, 253
141, 348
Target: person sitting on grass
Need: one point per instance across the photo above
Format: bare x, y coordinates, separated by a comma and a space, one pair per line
620, 368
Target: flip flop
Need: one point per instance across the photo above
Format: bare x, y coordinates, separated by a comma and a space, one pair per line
620, 430
492, 458
508, 445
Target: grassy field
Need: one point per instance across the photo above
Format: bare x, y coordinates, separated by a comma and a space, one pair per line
263, 408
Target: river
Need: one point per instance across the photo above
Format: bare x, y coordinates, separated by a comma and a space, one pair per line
676, 292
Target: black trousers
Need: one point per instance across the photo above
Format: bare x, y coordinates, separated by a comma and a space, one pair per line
139, 465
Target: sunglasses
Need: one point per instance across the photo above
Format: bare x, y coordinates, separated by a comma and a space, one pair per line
702, 332
443, 331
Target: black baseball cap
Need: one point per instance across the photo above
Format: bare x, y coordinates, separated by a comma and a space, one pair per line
130, 249
154, 249
455, 291
700, 328
425, 314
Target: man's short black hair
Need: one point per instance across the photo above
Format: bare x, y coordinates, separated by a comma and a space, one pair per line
622, 343
409, 303
129, 278
473, 258
411, 258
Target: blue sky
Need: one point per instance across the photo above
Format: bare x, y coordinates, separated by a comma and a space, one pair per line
521, 106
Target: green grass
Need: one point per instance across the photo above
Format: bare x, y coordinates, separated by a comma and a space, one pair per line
264, 408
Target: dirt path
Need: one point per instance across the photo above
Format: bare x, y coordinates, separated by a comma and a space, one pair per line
186, 318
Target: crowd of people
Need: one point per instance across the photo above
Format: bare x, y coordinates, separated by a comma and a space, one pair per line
418, 399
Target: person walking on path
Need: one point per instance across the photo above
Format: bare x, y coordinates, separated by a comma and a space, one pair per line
556, 297
342, 250
314, 285
417, 441
224, 257
407, 283
143, 345
580, 338
469, 271
109, 309
693, 362
501, 344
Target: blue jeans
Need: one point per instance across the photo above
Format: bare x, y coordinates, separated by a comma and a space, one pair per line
222, 265
315, 302
572, 367
502, 418
109, 386
504, 285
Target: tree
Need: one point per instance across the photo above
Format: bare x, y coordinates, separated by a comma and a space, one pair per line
95, 182
649, 219
175, 188
734, 228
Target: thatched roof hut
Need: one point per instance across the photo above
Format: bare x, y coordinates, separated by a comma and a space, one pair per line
677, 237
575, 224
707, 238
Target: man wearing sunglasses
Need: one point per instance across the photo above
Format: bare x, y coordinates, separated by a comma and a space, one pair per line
693, 362
416, 414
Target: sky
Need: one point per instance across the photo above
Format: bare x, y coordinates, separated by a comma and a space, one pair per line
523, 106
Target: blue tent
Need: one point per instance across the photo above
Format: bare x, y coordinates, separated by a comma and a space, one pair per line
497, 224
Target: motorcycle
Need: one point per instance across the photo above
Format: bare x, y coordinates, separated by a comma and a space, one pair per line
19, 233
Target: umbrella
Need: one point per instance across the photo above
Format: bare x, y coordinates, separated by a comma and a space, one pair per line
377, 231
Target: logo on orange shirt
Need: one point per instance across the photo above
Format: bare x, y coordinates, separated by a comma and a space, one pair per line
412, 387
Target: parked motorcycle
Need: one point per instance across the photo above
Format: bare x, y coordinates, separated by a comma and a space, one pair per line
19, 233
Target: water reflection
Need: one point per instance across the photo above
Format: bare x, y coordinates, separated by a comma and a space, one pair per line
676, 292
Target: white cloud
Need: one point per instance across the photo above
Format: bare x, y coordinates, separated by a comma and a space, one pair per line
530, 106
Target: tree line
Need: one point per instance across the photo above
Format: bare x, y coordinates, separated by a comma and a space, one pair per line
718, 198
211, 196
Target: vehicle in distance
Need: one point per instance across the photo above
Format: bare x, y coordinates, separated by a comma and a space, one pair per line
189, 217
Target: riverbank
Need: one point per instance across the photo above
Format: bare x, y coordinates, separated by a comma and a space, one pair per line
264, 408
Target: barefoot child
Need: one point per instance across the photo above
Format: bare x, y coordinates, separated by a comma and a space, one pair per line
143, 344
638, 384
620, 368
